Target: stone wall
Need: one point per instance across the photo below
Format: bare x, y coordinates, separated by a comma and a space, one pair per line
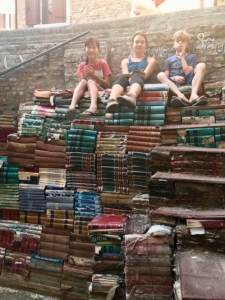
57, 69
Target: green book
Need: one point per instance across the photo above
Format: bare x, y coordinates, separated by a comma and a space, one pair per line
81, 144
149, 122
197, 113
72, 137
80, 149
219, 137
82, 132
127, 115
59, 116
119, 122
149, 109
86, 104
11, 175
125, 109
149, 116
199, 131
111, 249
219, 130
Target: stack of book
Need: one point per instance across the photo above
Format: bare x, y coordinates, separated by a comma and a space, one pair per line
27, 239
52, 177
79, 140
9, 214
87, 206
60, 207
21, 150
205, 234
112, 173
189, 160
7, 126
44, 111
143, 138
74, 280
46, 272
111, 142
84, 104
199, 135
116, 204
32, 217
9, 173
81, 254
15, 266
106, 233
138, 170
30, 125
149, 255
50, 154
55, 243
151, 102
32, 198
140, 204
188, 191
9, 196
29, 175
198, 116
124, 117
213, 91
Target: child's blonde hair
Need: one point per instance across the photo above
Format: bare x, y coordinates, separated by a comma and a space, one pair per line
182, 35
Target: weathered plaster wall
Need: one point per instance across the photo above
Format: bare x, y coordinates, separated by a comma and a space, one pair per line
57, 69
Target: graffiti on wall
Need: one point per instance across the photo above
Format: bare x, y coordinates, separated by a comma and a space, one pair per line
203, 46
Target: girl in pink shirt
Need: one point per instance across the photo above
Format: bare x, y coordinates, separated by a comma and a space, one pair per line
93, 75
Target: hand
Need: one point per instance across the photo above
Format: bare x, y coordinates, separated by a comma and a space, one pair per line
181, 51
80, 76
88, 71
179, 79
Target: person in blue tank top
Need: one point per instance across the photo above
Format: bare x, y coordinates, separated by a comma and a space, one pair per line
182, 69
138, 61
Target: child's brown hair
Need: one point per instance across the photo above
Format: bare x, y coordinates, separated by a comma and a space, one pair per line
181, 35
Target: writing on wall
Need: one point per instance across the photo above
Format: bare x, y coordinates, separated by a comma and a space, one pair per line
203, 46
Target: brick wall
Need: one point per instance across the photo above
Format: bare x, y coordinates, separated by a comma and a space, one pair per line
57, 69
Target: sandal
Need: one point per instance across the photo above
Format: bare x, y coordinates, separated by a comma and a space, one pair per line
127, 100
112, 106
71, 114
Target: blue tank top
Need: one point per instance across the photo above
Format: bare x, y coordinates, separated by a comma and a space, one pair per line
141, 65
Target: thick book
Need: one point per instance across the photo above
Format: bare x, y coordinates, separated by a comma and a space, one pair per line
107, 222
138, 72
207, 223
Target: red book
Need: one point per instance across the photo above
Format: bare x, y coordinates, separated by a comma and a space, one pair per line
107, 222
191, 223
148, 98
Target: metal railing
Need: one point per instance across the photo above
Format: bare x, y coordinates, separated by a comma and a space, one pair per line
43, 53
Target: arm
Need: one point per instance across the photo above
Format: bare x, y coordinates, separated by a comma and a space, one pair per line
187, 68
150, 67
101, 81
124, 66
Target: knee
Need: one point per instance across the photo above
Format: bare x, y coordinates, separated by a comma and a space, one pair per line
83, 83
161, 75
201, 67
90, 82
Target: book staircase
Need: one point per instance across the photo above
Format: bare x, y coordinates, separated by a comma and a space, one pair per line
127, 205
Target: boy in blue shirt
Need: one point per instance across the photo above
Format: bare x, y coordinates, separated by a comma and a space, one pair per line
182, 68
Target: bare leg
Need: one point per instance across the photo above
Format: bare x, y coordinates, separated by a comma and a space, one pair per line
93, 91
135, 90
164, 79
78, 92
199, 72
117, 90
